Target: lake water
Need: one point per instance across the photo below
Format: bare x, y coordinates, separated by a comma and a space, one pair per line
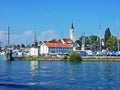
59, 75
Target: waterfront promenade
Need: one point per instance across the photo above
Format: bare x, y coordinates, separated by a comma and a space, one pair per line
101, 58
84, 58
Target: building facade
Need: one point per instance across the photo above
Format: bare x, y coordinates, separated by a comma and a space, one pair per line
55, 48
34, 51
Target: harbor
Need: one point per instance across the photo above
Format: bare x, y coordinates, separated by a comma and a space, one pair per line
59, 45
63, 47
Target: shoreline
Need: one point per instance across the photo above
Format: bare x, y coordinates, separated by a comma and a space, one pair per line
84, 58
101, 58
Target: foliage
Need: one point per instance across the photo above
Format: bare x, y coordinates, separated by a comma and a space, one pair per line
64, 58
94, 42
111, 43
74, 57
90, 41
79, 42
107, 35
94, 39
87, 41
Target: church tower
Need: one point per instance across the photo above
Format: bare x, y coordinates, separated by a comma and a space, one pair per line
72, 33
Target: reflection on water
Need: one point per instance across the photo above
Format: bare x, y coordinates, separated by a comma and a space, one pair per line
34, 67
52, 75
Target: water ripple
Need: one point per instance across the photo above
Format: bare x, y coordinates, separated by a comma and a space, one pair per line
47, 75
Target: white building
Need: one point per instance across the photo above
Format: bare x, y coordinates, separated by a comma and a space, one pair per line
55, 48
34, 51
44, 49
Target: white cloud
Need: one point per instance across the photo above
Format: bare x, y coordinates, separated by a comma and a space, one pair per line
2, 34
47, 35
28, 33
27, 36
3, 37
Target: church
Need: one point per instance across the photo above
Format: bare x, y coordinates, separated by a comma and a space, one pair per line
64, 45
71, 39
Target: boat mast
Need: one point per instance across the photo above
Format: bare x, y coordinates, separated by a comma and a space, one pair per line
117, 33
83, 42
8, 52
8, 36
100, 34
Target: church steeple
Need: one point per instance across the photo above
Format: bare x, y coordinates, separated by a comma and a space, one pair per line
72, 26
72, 33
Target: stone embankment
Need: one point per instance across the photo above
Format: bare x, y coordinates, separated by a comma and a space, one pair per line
86, 58
101, 58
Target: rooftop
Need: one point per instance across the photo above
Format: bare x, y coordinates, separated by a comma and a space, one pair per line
58, 45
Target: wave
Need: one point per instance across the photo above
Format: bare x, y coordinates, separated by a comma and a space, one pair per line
15, 86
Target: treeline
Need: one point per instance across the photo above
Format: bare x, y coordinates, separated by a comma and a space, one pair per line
94, 42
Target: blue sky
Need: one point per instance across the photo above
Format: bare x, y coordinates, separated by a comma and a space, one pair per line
53, 18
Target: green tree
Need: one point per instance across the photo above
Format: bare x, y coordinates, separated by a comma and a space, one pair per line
107, 35
90, 41
87, 41
94, 42
111, 43
80, 41
94, 39
75, 57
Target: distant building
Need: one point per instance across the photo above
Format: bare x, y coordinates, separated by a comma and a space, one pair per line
55, 48
34, 49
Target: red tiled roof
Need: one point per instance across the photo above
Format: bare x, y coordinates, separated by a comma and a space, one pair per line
58, 45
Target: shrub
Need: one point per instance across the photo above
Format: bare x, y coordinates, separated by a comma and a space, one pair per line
65, 57
74, 57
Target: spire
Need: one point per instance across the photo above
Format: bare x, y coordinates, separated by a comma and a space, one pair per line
35, 38
72, 33
72, 26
